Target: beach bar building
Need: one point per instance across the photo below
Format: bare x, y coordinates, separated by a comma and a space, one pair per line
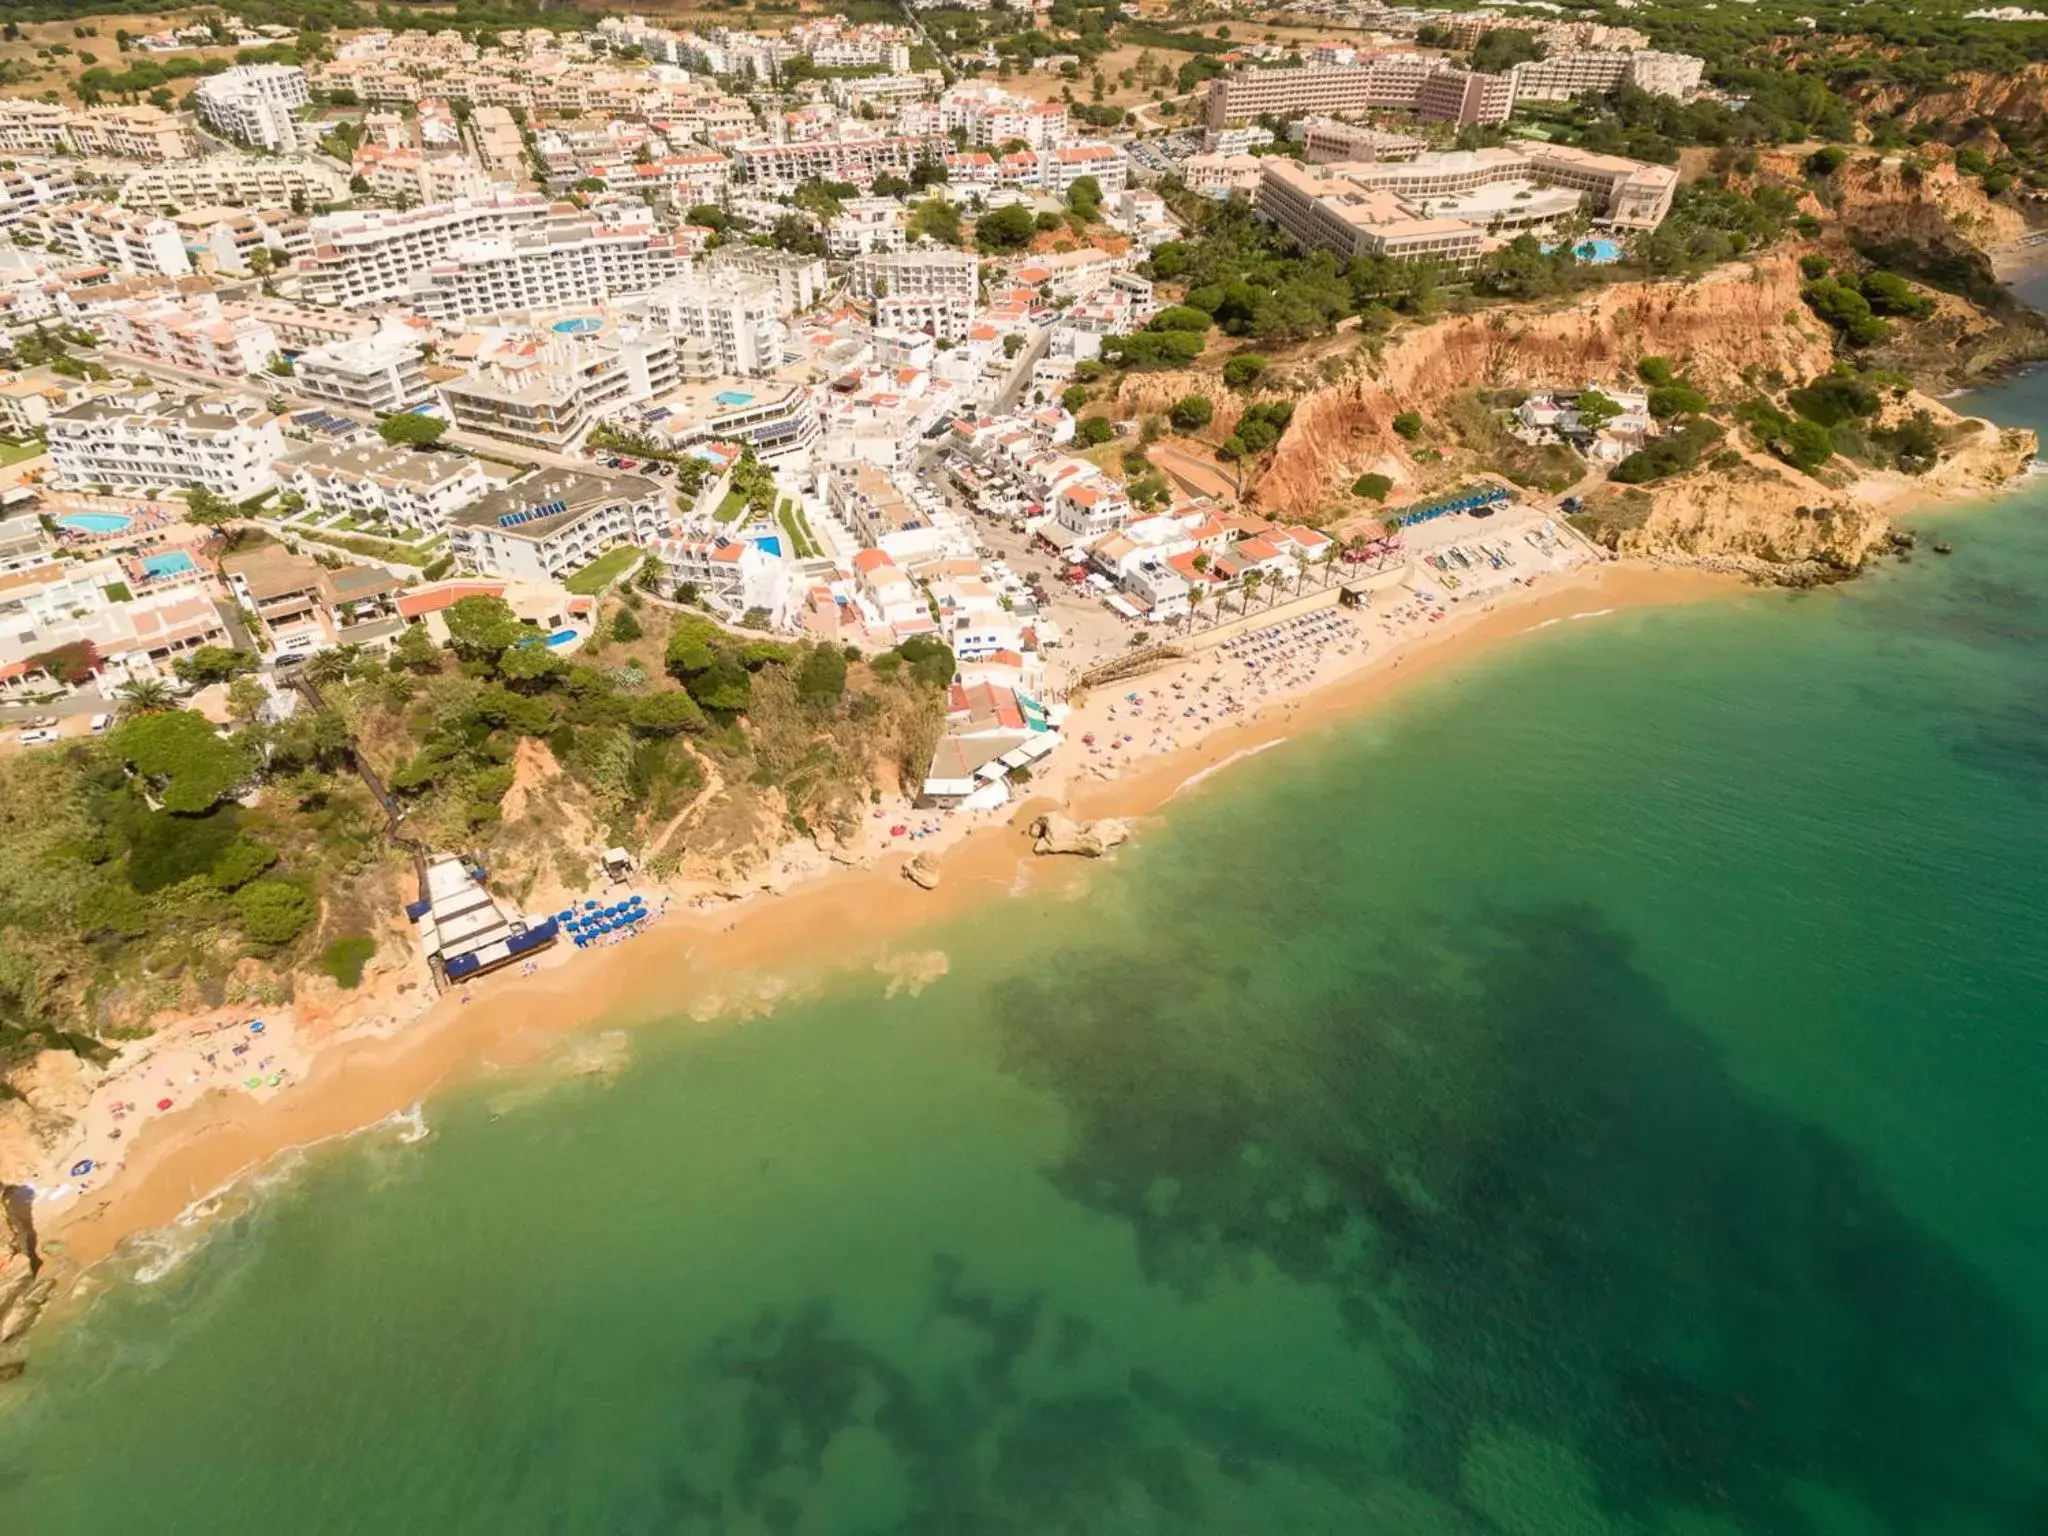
462, 928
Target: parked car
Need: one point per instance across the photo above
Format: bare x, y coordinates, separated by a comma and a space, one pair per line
100, 723
41, 736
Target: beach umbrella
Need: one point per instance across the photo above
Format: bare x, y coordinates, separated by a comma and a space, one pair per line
590, 906
81, 1168
255, 1026
163, 1103
567, 915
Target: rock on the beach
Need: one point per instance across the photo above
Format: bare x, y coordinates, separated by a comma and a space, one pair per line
921, 870
22, 1312
1054, 833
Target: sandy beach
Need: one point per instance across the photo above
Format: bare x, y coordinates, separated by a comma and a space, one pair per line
723, 966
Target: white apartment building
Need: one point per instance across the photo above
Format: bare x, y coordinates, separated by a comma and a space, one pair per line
299, 329
1324, 139
122, 133
415, 490
612, 252
924, 273
382, 372
405, 174
366, 258
800, 281
866, 224
1444, 206
233, 236
740, 319
548, 393
110, 236
1397, 82
226, 443
138, 132
256, 103
1563, 76
237, 180
1059, 169
990, 116
549, 525
683, 181
782, 168
23, 188
195, 334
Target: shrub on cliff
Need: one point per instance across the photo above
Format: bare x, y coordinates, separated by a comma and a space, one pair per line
1372, 487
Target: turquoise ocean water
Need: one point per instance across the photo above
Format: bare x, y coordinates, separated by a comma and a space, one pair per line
1603, 1093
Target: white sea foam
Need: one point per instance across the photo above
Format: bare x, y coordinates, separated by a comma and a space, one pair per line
1214, 768
1593, 613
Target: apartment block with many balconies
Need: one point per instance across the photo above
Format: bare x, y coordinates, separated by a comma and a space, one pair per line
379, 373
145, 439
549, 525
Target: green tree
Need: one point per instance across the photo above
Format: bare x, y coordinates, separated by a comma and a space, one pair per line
821, 680
177, 753
205, 509
1093, 431
937, 219
1409, 424
1243, 370
530, 668
693, 646
664, 713
1073, 397
1669, 400
1372, 487
480, 628
725, 686
213, 664
1596, 409
625, 627
274, 911
1085, 197
416, 651
1190, 413
409, 430
240, 862
1006, 229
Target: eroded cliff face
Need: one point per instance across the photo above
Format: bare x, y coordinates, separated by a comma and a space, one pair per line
1880, 197
2016, 97
1737, 318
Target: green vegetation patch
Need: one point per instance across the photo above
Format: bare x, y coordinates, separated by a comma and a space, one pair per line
345, 958
603, 571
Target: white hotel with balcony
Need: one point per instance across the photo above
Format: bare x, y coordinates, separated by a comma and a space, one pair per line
551, 524
147, 441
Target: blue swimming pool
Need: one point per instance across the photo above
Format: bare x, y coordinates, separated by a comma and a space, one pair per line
96, 522
1599, 252
562, 637
732, 397
579, 325
174, 563
771, 544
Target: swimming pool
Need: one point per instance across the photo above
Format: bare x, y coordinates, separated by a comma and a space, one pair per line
1599, 252
732, 397
96, 522
174, 563
562, 637
579, 325
770, 544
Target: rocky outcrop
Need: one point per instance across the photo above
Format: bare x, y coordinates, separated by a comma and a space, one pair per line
922, 870
1763, 519
1748, 316
1055, 833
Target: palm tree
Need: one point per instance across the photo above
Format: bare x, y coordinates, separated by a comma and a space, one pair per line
144, 696
1197, 595
329, 666
1251, 587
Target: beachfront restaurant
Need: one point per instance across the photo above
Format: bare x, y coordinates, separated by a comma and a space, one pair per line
462, 928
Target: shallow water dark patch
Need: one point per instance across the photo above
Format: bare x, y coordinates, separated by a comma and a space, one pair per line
1597, 1234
